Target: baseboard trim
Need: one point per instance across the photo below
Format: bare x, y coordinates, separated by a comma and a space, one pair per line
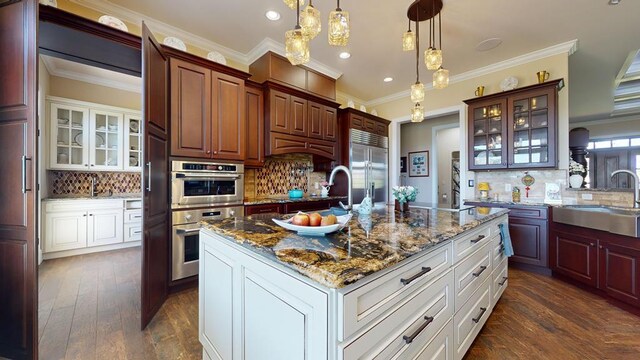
89, 250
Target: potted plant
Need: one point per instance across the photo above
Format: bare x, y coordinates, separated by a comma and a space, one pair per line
575, 174
404, 194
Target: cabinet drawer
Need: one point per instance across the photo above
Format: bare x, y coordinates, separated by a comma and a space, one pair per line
468, 244
262, 209
366, 303
468, 321
497, 251
470, 274
132, 232
406, 330
291, 208
529, 213
441, 347
132, 216
86, 205
499, 281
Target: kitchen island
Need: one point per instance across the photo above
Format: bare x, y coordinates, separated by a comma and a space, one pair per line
418, 284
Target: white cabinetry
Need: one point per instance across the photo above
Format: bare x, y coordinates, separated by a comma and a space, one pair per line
78, 226
88, 136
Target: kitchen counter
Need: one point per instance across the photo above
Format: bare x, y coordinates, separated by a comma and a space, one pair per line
87, 197
285, 199
489, 203
366, 246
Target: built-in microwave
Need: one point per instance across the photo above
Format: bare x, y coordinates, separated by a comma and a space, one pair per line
200, 184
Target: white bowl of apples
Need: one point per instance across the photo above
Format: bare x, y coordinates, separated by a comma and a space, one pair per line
314, 224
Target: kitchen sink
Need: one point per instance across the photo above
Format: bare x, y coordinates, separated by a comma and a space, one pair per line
616, 220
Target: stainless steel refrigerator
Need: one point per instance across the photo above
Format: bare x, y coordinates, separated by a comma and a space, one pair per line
369, 163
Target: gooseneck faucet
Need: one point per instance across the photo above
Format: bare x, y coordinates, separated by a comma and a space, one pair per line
93, 187
332, 177
636, 186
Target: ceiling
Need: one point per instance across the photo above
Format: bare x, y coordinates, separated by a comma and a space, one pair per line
606, 35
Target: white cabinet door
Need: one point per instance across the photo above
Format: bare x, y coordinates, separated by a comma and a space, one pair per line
69, 137
132, 142
106, 141
65, 230
105, 227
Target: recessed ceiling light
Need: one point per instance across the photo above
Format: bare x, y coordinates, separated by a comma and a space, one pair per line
272, 15
614, 2
345, 55
388, 79
489, 44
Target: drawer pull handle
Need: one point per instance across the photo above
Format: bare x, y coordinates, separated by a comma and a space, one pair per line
477, 239
482, 311
409, 339
137, 217
504, 280
137, 232
482, 269
408, 280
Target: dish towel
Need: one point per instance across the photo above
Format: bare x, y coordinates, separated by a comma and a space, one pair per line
506, 240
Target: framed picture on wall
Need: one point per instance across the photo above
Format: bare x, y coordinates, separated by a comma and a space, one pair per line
419, 164
403, 165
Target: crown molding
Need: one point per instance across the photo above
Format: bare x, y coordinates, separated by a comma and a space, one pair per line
95, 80
569, 48
344, 95
247, 59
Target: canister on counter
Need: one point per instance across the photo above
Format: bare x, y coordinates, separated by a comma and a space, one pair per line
515, 194
483, 188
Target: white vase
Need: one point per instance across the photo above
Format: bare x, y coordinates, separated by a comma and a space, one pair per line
575, 181
324, 192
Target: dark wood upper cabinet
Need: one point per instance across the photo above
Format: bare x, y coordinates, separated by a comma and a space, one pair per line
316, 112
514, 129
254, 112
190, 110
359, 120
228, 117
279, 104
330, 123
298, 120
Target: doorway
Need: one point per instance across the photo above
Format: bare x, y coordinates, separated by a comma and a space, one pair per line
447, 172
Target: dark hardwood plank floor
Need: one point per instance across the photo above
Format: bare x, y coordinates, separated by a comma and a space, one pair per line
89, 308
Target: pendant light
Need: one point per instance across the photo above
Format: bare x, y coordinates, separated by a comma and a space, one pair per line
417, 89
310, 21
296, 44
433, 56
292, 3
338, 27
417, 113
408, 40
441, 78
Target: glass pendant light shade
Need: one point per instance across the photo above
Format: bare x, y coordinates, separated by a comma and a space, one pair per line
310, 22
408, 41
417, 92
338, 27
433, 58
292, 3
417, 113
296, 47
441, 78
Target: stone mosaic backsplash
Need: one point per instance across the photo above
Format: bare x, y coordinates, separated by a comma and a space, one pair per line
281, 174
79, 183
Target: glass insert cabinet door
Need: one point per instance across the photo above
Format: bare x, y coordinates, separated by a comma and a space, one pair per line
69, 137
133, 142
106, 140
488, 140
532, 133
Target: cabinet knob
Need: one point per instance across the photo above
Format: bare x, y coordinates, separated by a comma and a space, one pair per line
208, 152
592, 244
215, 152
601, 247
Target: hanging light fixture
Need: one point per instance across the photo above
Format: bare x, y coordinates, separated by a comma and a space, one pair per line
433, 56
417, 113
441, 78
417, 89
408, 40
310, 21
292, 3
338, 27
296, 43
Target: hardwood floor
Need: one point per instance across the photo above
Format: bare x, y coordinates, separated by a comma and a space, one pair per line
90, 309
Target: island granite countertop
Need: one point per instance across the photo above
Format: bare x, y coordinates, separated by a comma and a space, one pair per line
285, 199
367, 245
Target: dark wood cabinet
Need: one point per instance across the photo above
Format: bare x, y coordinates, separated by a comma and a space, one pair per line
298, 120
190, 109
315, 120
262, 209
619, 259
207, 113
279, 111
529, 238
514, 129
292, 207
359, 120
575, 256
254, 112
329, 122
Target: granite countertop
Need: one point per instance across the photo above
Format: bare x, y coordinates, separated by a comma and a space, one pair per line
285, 199
87, 197
343, 258
494, 202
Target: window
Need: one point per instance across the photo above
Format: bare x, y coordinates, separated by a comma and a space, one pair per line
613, 143
620, 143
635, 142
603, 144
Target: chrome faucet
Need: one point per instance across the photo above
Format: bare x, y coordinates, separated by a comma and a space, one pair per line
636, 186
332, 177
93, 186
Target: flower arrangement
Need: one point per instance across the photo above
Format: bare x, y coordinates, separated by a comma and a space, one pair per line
324, 183
405, 193
575, 168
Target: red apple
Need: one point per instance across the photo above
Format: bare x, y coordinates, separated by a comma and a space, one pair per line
300, 219
315, 219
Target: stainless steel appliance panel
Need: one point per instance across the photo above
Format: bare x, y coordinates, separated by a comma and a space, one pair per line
369, 169
198, 184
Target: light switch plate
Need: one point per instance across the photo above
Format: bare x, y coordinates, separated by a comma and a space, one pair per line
507, 187
587, 196
471, 183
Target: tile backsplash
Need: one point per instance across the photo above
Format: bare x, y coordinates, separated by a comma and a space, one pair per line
79, 183
281, 174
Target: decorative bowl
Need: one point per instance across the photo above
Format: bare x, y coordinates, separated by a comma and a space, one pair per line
295, 194
343, 220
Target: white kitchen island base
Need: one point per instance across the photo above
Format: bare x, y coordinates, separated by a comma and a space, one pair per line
431, 305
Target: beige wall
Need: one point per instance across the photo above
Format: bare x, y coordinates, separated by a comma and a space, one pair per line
610, 129
78, 90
